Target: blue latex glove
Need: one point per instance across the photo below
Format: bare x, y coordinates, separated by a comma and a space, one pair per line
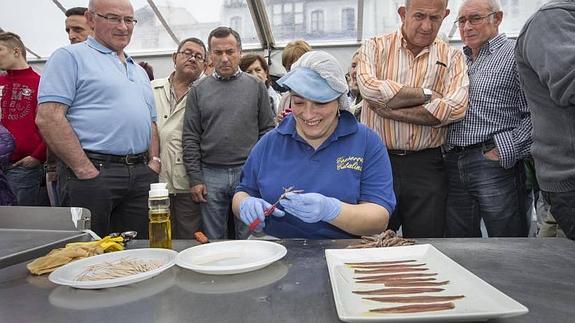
252, 208
311, 207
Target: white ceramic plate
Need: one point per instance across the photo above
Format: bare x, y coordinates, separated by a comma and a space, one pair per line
230, 257
67, 274
482, 301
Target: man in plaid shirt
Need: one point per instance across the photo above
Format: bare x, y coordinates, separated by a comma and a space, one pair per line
486, 176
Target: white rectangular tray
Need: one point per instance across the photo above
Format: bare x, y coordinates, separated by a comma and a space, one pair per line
482, 301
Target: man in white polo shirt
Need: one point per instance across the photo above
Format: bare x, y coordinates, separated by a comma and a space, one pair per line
96, 112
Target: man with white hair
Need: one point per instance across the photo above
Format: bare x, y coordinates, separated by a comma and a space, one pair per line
97, 115
484, 162
413, 85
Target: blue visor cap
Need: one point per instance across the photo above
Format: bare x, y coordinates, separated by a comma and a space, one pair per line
308, 84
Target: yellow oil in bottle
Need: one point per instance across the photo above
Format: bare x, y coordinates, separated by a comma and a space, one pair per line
160, 228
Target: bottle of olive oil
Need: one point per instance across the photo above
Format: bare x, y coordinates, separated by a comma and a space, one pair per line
160, 226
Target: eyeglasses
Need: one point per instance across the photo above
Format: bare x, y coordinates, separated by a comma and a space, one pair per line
473, 20
188, 55
116, 20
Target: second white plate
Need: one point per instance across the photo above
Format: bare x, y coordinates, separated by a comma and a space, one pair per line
230, 257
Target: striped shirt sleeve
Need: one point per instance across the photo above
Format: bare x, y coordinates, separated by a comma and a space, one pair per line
453, 105
371, 56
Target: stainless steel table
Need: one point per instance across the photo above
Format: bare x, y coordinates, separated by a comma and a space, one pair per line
539, 273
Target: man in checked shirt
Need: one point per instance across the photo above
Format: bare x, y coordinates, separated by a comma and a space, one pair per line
414, 85
486, 149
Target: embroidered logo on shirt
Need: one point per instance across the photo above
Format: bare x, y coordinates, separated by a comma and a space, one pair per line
355, 163
26, 91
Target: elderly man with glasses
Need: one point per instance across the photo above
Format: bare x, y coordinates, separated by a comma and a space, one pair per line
97, 114
170, 94
486, 149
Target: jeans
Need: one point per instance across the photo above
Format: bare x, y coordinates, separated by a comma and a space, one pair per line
221, 185
420, 187
479, 188
25, 183
117, 198
563, 209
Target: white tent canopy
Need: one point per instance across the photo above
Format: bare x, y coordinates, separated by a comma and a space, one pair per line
264, 25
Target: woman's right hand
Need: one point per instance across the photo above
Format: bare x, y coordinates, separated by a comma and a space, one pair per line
252, 208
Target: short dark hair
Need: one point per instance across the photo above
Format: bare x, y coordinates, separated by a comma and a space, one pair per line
192, 40
148, 68
248, 59
223, 32
12, 40
76, 11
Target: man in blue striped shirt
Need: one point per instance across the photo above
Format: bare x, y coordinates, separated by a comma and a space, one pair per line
486, 176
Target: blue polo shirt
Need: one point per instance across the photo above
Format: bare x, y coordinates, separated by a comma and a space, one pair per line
111, 105
352, 165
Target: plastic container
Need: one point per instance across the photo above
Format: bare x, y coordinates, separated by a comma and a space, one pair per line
160, 226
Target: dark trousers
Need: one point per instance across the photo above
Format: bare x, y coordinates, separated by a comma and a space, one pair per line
185, 215
563, 210
62, 180
479, 188
420, 186
117, 198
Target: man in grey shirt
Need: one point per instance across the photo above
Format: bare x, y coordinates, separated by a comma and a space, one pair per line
545, 59
226, 113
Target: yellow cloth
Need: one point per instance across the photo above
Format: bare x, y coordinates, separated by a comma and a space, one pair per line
74, 251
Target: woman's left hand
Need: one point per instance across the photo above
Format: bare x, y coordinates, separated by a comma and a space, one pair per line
311, 207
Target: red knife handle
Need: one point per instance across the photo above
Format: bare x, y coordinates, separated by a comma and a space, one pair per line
267, 212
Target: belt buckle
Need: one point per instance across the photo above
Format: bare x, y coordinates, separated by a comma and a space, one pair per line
127, 160
397, 152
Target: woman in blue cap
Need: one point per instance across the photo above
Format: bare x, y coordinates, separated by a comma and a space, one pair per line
341, 166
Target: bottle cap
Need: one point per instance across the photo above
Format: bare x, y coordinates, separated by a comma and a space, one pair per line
158, 190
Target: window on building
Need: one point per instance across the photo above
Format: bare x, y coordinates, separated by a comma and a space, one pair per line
236, 24
317, 22
515, 7
234, 2
348, 19
288, 19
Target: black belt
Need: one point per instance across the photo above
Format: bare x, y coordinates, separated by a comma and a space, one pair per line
400, 152
141, 158
403, 152
487, 144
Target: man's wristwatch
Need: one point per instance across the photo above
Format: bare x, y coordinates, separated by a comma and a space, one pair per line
427, 94
157, 159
